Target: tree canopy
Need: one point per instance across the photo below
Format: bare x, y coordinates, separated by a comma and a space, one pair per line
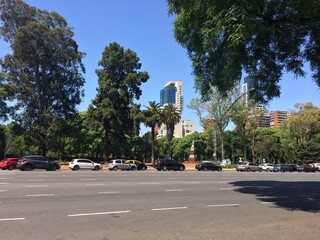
262, 38
45, 67
119, 85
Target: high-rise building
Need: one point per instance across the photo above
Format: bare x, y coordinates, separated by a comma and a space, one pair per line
247, 86
172, 93
277, 117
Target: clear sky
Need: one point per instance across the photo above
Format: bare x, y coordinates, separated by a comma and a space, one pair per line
145, 27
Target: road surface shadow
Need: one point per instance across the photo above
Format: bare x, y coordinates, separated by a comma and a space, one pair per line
303, 196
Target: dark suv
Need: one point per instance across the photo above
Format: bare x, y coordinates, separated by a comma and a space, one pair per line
28, 163
169, 164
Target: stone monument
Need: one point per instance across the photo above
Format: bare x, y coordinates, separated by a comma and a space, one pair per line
192, 158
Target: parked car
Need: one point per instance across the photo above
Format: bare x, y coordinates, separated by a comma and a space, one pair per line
294, 167
208, 166
9, 163
247, 166
140, 165
120, 164
282, 168
305, 168
317, 166
169, 164
268, 167
28, 163
77, 164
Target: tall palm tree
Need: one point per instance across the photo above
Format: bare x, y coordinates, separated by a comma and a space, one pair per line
152, 119
170, 117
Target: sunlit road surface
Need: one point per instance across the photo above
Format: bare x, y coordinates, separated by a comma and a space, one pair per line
159, 205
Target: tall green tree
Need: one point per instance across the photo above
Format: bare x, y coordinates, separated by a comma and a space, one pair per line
262, 38
215, 107
170, 117
6, 94
45, 68
119, 85
153, 119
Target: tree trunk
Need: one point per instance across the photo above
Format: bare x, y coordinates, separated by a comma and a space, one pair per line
106, 145
152, 146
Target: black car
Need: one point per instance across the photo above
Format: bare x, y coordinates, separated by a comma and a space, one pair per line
305, 168
282, 168
169, 164
28, 163
208, 166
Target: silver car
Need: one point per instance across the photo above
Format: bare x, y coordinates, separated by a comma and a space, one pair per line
77, 164
248, 167
120, 164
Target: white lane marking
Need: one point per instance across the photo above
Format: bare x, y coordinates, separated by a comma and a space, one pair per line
12, 219
267, 202
149, 183
225, 205
227, 188
95, 184
88, 179
108, 192
174, 190
36, 180
5, 178
166, 209
37, 185
193, 182
39, 195
98, 213
4, 183
223, 182
3, 190
171, 178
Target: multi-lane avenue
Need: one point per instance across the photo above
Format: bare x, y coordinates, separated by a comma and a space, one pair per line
158, 205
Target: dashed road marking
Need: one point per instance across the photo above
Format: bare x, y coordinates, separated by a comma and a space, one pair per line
98, 213
108, 192
225, 205
12, 219
174, 190
40, 195
167, 209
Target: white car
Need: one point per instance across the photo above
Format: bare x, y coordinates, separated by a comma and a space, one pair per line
317, 166
268, 167
78, 163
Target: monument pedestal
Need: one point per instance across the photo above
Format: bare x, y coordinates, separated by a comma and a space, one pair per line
192, 158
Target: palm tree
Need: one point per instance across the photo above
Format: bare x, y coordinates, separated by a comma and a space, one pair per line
170, 117
152, 119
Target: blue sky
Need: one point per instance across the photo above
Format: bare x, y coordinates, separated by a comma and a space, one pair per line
145, 27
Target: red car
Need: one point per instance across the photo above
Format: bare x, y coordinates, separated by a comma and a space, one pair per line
9, 163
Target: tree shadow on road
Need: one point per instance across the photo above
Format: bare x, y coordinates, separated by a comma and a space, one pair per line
303, 196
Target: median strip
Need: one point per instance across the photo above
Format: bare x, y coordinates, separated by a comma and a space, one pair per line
98, 213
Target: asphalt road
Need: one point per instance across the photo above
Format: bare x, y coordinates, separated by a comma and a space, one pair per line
159, 205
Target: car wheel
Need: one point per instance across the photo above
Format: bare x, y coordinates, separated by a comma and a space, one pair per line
219, 169
159, 169
53, 168
164, 168
205, 169
10, 167
96, 168
3, 168
75, 168
27, 168
260, 170
115, 168
267, 170
248, 169
132, 168
181, 168
143, 168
